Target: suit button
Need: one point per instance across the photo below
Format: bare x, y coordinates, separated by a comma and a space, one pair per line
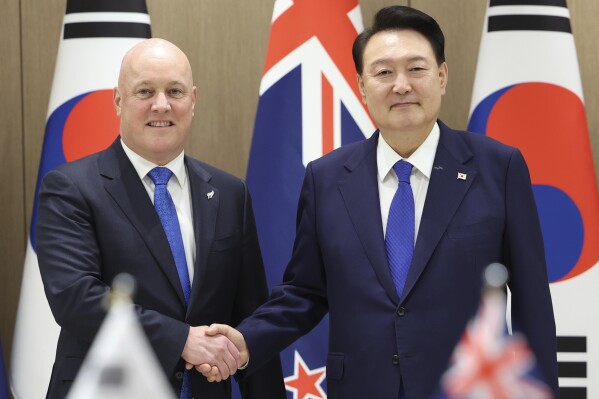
395, 360
179, 375
401, 311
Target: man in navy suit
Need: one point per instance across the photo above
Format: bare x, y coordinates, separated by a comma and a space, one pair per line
97, 219
472, 205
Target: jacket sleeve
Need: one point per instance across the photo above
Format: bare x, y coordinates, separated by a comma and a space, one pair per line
532, 310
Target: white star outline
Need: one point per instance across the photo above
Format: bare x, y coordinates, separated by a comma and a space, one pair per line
297, 362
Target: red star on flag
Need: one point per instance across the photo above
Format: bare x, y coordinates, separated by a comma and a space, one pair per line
305, 383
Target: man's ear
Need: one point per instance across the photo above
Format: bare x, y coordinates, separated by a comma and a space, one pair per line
116, 99
194, 96
361, 87
443, 76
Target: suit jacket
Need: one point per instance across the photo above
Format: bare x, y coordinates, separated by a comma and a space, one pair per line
96, 220
339, 266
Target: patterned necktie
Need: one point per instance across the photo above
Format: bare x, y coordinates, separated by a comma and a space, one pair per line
399, 238
163, 203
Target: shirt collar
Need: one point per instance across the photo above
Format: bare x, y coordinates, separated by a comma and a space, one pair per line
143, 166
422, 159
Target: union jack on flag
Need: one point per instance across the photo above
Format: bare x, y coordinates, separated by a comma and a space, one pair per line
489, 364
309, 105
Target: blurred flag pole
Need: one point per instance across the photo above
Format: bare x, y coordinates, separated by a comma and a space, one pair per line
121, 362
81, 120
528, 94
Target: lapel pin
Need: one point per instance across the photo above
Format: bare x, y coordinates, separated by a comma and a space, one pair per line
462, 176
210, 194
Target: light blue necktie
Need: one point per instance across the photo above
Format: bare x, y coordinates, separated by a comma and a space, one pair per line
163, 203
399, 238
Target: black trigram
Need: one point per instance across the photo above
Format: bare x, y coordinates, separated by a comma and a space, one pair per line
101, 19
538, 22
576, 348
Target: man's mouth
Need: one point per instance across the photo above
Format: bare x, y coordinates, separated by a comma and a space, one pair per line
160, 124
402, 104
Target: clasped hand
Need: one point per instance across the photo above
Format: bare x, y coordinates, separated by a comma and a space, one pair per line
216, 351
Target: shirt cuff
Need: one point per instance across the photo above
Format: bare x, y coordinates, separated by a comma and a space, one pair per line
244, 365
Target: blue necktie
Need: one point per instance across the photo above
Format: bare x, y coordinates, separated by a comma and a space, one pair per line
163, 203
399, 238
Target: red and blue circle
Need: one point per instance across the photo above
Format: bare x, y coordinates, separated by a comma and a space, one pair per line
79, 127
548, 124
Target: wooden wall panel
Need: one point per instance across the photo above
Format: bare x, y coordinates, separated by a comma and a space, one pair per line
586, 31
225, 41
12, 215
370, 7
40, 32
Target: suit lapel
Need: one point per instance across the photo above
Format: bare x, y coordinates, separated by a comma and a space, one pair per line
361, 195
124, 186
205, 200
444, 195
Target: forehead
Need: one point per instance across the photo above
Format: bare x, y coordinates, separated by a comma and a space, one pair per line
157, 67
393, 44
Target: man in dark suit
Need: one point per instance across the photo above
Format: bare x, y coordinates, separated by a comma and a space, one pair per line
97, 219
470, 204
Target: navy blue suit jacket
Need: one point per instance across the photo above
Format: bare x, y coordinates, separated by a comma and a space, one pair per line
339, 266
96, 220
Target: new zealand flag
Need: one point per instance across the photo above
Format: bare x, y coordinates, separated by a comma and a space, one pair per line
309, 105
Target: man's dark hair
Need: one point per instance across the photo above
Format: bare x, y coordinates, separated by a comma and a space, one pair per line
395, 18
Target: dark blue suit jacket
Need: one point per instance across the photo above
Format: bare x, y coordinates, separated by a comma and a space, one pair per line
339, 266
96, 220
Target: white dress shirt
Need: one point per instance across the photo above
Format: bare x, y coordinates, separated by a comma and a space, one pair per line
422, 161
178, 187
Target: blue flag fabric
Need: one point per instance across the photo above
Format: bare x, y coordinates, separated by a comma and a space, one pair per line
3, 383
309, 104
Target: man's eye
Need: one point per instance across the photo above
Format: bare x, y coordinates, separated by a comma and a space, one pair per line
384, 72
144, 92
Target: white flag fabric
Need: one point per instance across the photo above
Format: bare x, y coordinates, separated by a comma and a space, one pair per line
121, 362
81, 120
528, 94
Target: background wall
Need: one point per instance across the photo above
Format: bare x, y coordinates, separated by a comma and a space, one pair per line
226, 43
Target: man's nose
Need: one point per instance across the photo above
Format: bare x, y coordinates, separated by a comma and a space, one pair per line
402, 84
161, 103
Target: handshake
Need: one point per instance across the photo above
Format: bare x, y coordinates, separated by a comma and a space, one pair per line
216, 352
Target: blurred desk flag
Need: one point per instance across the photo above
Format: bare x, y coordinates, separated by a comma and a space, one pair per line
81, 120
309, 104
528, 94
121, 362
3, 383
487, 363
